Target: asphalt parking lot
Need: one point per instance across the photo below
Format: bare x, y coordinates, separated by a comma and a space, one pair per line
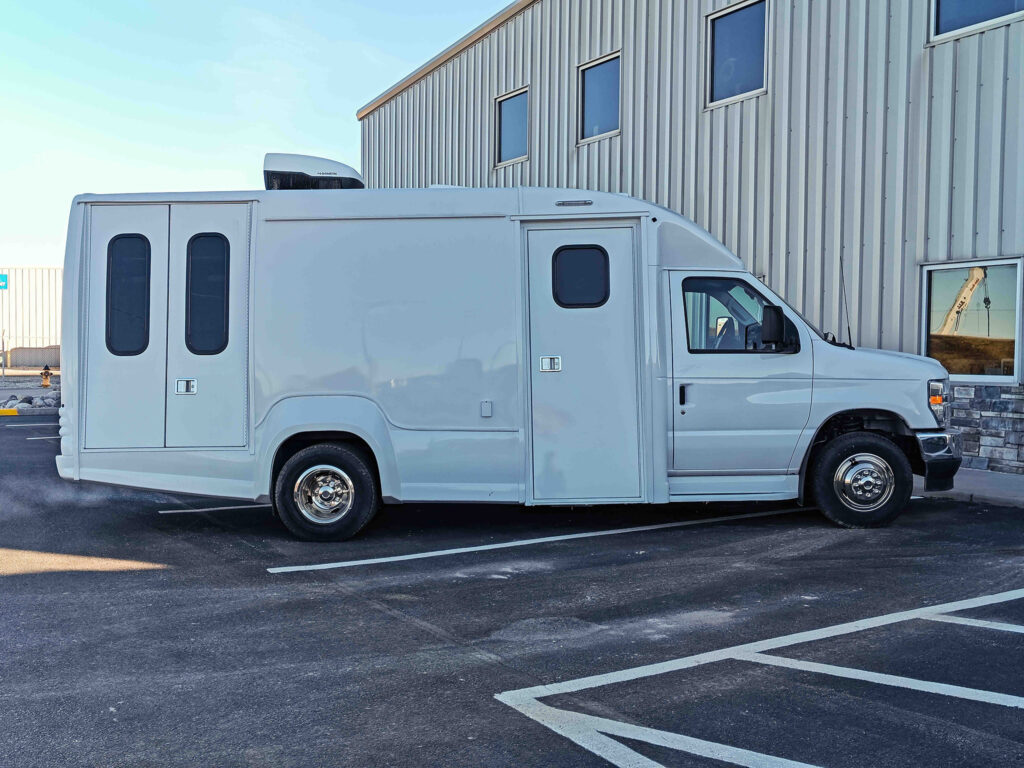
735, 634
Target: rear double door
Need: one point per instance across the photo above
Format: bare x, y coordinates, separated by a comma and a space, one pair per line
167, 326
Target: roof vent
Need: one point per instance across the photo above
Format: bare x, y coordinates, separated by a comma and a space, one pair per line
281, 171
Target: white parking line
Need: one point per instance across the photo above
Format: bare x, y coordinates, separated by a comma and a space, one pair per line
39, 424
976, 623
47, 437
593, 733
521, 543
210, 509
927, 686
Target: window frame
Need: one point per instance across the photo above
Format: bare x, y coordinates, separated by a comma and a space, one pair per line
188, 294
498, 162
580, 92
149, 294
709, 51
924, 299
607, 271
767, 302
934, 38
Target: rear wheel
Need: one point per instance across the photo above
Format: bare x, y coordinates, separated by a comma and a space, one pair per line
861, 480
326, 492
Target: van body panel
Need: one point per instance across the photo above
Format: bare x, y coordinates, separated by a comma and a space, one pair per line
418, 315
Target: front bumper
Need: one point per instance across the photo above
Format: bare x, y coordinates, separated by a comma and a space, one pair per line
941, 454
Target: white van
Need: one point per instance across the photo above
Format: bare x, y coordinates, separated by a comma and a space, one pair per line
331, 350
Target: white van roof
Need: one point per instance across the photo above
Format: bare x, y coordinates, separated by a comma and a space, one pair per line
681, 242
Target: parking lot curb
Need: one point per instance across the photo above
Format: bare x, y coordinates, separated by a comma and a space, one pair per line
979, 498
29, 412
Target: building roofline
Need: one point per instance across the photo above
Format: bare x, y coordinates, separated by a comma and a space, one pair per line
446, 55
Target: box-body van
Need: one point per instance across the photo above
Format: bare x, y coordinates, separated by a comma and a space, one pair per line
329, 351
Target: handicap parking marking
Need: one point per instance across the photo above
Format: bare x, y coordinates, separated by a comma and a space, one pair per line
525, 542
594, 733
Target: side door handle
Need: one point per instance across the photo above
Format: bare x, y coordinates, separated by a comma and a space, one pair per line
682, 394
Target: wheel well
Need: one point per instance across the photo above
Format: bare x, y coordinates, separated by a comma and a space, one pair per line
864, 420
297, 442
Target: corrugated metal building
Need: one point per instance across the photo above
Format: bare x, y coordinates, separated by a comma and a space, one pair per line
30, 315
886, 136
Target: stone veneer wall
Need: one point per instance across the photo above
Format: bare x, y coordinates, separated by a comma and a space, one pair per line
992, 421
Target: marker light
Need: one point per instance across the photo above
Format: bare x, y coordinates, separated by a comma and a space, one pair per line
937, 397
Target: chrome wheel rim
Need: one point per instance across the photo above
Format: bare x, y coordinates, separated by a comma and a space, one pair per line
324, 494
864, 482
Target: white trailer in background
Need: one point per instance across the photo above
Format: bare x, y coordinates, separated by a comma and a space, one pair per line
328, 350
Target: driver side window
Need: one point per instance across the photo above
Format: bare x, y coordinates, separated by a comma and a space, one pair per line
723, 314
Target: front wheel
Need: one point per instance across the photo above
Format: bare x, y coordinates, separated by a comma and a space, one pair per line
861, 480
326, 492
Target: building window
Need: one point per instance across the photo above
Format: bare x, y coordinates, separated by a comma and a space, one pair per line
513, 126
206, 294
973, 317
579, 276
128, 265
736, 44
957, 16
599, 98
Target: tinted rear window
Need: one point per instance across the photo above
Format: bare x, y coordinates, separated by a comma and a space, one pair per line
128, 264
206, 310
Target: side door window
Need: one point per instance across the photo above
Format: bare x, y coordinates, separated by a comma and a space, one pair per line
723, 315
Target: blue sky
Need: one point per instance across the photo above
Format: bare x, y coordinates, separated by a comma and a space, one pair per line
186, 95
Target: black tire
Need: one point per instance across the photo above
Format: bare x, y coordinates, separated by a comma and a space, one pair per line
847, 467
342, 467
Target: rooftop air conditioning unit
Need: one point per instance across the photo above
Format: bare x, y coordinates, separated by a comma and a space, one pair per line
282, 171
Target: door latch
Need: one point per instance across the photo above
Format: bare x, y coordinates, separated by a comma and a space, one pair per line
551, 364
185, 387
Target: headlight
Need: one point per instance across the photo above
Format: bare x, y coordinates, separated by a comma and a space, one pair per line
938, 399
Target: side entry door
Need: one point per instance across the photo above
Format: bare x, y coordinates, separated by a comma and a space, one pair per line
583, 358
207, 325
739, 406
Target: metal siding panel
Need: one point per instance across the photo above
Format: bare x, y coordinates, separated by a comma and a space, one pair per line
894, 202
1013, 137
796, 135
965, 148
815, 151
869, 255
991, 105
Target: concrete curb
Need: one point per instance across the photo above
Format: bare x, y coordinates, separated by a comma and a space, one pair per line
977, 498
29, 412
976, 486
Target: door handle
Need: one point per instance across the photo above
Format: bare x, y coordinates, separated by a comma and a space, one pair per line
682, 394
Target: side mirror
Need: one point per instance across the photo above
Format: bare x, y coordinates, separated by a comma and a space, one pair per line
773, 325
